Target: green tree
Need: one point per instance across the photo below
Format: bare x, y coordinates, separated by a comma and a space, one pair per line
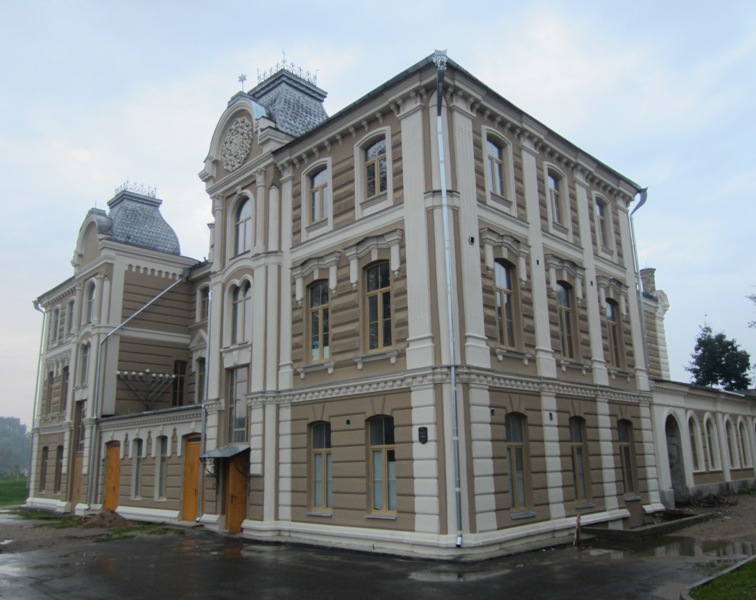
15, 447
719, 361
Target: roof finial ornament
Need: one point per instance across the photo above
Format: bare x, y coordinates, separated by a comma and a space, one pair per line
242, 79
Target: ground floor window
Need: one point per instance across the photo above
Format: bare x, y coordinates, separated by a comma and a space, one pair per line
382, 465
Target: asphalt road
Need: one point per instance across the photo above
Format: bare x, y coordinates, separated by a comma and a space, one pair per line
200, 564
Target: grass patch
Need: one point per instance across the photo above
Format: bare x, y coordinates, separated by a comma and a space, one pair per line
49, 519
739, 584
13, 491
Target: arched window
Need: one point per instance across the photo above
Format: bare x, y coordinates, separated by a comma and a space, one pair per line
161, 475
504, 275
319, 200
602, 223
732, 447
43, 469
695, 448
90, 303
241, 311
518, 462
320, 475
58, 469
496, 181
556, 200
243, 229
319, 322
712, 454
745, 457
580, 473
84, 364
378, 306
566, 319
375, 169
136, 474
614, 336
382, 465
627, 455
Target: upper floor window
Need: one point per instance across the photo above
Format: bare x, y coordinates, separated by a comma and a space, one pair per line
495, 164
243, 227
580, 473
241, 310
378, 304
70, 317
515, 425
319, 200
382, 465
58, 469
179, 381
204, 303
627, 455
319, 342
566, 319
602, 223
556, 200
43, 469
614, 334
84, 364
90, 303
55, 326
376, 174
320, 435
49, 392
64, 388
504, 274
201, 380
237, 405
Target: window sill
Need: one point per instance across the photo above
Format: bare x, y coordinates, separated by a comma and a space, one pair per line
374, 204
584, 505
502, 352
567, 364
381, 517
389, 355
526, 514
560, 229
315, 367
312, 513
500, 200
633, 498
614, 373
317, 227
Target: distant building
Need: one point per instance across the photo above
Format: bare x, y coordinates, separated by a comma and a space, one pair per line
299, 384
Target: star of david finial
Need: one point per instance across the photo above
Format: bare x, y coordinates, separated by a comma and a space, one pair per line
242, 79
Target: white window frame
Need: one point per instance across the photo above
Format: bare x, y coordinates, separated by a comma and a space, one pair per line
696, 449
713, 457
507, 202
233, 210
607, 248
563, 229
312, 229
363, 206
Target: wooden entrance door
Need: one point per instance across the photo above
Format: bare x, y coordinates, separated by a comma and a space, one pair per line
113, 478
190, 503
236, 492
78, 464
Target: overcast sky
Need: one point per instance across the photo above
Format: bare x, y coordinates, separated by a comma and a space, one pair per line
95, 93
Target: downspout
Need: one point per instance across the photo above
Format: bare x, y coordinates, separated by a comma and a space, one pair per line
643, 196
36, 387
203, 435
439, 58
94, 444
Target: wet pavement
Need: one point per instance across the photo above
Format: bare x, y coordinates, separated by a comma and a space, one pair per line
201, 564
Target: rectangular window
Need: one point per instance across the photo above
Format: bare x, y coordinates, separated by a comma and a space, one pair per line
70, 317
201, 380
602, 224
179, 381
320, 345
49, 393
84, 364
237, 405
81, 414
161, 467
375, 169
136, 476
627, 455
517, 460
495, 168
505, 304
204, 303
64, 389
613, 327
321, 466
555, 198
579, 458
378, 284
319, 196
58, 469
382, 465
43, 469
564, 301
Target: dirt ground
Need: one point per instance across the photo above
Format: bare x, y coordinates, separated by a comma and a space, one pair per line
733, 518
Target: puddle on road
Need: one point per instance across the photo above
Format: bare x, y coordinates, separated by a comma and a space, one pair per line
671, 546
